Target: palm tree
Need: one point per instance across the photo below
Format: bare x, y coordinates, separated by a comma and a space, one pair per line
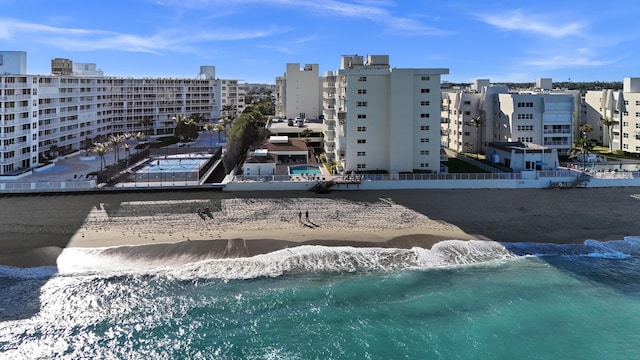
210, 128
101, 149
219, 128
198, 118
138, 136
115, 141
229, 109
147, 122
608, 122
582, 146
477, 123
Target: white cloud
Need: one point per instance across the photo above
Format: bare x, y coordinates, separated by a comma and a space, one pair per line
541, 24
568, 58
90, 39
374, 10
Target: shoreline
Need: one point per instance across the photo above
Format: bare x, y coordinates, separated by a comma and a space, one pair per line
35, 229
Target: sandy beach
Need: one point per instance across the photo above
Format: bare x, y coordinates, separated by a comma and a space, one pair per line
35, 229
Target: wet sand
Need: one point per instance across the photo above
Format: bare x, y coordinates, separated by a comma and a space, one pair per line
35, 229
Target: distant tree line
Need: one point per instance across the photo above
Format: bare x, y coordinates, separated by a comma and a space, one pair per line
569, 85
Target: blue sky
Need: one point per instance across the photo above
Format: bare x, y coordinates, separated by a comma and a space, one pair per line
252, 40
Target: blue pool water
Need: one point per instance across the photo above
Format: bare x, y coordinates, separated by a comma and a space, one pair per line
304, 169
456, 301
171, 165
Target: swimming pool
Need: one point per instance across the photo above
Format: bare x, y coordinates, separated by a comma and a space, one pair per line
304, 169
172, 165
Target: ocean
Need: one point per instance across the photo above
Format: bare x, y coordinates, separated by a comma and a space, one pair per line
459, 300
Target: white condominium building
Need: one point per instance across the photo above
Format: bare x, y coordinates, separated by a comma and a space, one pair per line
382, 118
39, 112
471, 118
298, 92
614, 116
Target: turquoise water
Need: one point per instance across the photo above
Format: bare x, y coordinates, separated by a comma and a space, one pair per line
461, 300
172, 165
304, 169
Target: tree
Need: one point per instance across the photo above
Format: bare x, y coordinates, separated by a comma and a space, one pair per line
186, 129
210, 128
582, 146
87, 145
101, 149
198, 118
138, 136
608, 122
147, 123
477, 123
248, 128
115, 141
230, 110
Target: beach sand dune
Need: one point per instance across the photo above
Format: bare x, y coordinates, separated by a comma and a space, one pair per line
36, 228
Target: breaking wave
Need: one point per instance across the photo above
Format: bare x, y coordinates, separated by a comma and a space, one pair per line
185, 264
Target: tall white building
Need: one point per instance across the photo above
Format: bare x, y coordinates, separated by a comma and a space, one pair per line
298, 92
38, 112
622, 109
382, 118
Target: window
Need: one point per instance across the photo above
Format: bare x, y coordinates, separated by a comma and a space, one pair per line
425, 91
625, 135
362, 116
525, 127
362, 141
424, 127
626, 102
525, 116
361, 104
525, 104
362, 78
525, 139
625, 123
362, 153
424, 103
425, 78
424, 165
423, 116
637, 102
468, 113
361, 166
467, 102
424, 140
362, 91
362, 128
424, 152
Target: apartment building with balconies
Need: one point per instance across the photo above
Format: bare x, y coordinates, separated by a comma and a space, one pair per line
382, 118
471, 118
40, 114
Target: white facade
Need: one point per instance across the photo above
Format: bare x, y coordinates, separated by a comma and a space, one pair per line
546, 118
298, 92
86, 69
382, 118
13, 62
622, 108
38, 112
231, 94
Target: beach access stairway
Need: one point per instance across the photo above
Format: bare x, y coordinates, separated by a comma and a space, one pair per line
580, 181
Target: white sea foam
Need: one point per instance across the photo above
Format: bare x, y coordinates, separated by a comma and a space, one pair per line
118, 261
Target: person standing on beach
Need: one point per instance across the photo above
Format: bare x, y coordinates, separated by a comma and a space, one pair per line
306, 214
300, 216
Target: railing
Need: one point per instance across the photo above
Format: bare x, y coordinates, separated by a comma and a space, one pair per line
47, 186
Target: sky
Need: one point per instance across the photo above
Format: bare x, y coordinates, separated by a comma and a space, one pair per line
253, 40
